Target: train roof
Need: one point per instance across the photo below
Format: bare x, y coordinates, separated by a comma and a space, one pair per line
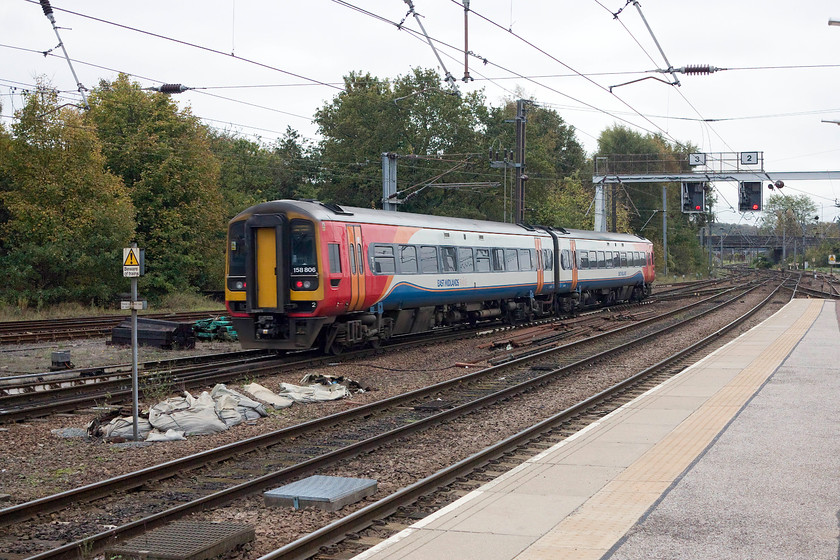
324, 211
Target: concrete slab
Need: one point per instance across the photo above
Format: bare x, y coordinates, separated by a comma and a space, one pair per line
329, 493
697, 408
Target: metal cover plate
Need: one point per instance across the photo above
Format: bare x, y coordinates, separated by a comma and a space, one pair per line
324, 492
184, 540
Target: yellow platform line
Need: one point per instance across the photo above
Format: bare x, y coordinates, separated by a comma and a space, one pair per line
589, 532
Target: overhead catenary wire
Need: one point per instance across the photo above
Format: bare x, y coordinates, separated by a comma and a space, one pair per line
48, 11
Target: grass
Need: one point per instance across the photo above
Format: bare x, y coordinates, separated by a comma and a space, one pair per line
173, 303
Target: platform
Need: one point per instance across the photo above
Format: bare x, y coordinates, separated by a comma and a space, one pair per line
735, 457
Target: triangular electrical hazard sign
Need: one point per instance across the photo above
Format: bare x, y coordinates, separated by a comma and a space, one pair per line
131, 260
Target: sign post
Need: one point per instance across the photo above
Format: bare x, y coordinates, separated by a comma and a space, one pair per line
132, 258
832, 260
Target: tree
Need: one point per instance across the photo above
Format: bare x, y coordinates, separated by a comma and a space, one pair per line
163, 156
788, 214
411, 117
252, 172
63, 218
555, 161
653, 154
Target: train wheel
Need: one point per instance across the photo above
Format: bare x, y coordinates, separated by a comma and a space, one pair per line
329, 342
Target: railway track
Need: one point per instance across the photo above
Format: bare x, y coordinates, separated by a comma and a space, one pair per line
18, 332
362, 529
37, 395
295, 451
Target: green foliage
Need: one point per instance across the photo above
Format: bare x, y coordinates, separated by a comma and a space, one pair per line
762, 262
253, 172
413, 116
63, 218
788, 215
685, 256
163, 156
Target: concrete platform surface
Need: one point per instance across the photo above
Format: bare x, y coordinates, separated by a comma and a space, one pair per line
736, 457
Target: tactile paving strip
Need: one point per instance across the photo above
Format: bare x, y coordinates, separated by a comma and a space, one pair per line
184, 540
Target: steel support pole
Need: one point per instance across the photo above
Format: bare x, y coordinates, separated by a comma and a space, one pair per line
519, 189
600, 218
665, 228
135, 382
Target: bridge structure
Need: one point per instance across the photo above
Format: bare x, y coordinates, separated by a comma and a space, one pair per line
774, 246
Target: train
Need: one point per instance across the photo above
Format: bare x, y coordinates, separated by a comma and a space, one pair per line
303, 274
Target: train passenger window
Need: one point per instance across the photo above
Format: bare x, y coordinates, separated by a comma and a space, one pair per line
602, 263
525, 260
511, 262
302, 242
447, 257
465, 259
428, 259
566, 259
352, 259
609, 259
616, 259
548, 259
334, 253
623, 259
236, 252
583, 264
498, 259
383, 260
482, 260
640, 260
408, 259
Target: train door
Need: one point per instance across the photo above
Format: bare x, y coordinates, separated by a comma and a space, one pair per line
357, 267
574, 262
540, 265
267, 291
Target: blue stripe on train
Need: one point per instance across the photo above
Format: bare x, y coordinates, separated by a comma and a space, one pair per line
407, 294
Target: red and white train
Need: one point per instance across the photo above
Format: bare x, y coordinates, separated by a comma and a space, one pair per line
302, 274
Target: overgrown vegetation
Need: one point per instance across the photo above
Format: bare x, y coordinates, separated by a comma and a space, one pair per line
76, 187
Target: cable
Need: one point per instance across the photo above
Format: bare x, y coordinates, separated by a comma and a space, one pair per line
196, 46
590, 80
521, 76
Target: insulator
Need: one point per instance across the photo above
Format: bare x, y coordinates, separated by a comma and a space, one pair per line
698, 69
172, 88
45, 5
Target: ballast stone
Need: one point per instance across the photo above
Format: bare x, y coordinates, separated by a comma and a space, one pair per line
329, 493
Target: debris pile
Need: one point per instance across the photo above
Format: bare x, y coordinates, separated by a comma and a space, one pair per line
216, 328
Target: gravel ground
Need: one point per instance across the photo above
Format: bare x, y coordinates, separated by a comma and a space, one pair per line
37, 462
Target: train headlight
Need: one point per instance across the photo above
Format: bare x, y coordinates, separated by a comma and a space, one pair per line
239, 285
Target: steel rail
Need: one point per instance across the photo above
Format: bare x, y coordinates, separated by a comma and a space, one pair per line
99, 541
309, 545
49, 504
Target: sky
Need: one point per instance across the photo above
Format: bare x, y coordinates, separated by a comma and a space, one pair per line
258, 67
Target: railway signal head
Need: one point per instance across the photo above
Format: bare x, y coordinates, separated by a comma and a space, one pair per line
693, 198
749, 196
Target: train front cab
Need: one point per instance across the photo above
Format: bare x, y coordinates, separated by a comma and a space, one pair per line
273, 283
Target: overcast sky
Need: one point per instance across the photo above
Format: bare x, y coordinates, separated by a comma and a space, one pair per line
261, 66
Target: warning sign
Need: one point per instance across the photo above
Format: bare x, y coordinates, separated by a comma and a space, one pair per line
131, 262
131, 259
